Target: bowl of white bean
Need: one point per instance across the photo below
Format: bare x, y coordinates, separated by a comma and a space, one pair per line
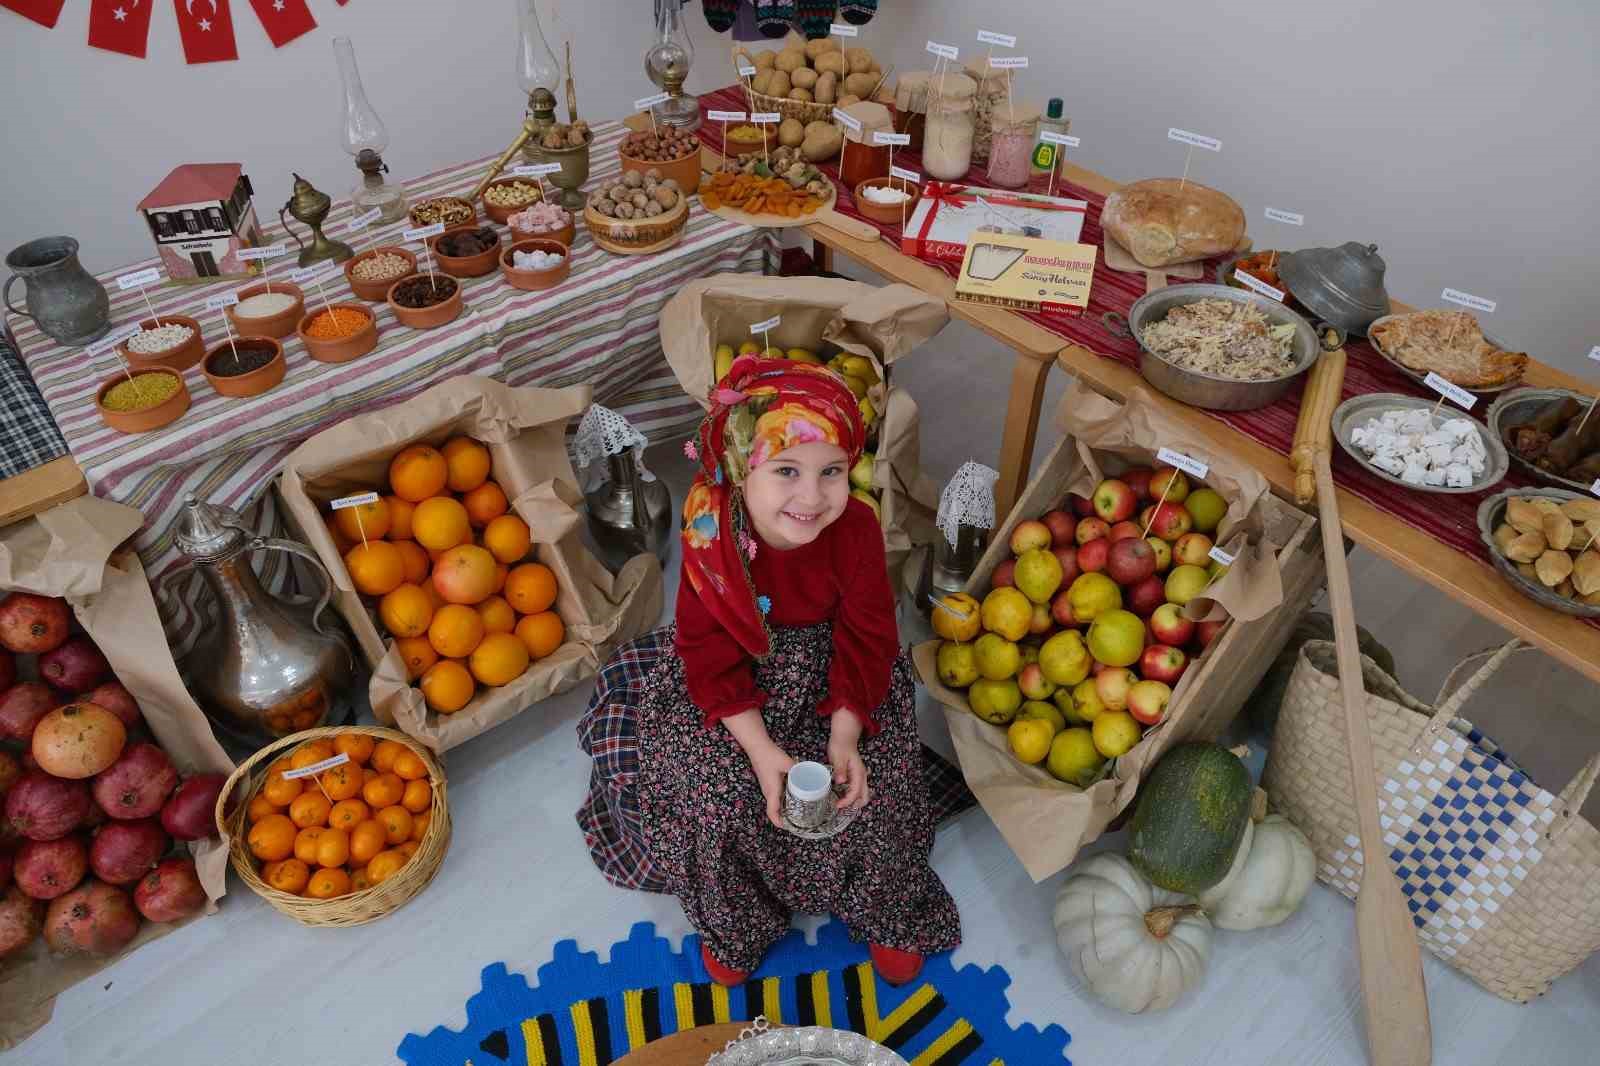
172, 341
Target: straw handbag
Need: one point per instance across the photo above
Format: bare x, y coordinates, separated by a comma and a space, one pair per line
1502, 877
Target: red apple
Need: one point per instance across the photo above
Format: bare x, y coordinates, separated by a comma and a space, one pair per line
1067, 556
1004, 575
1206, 632
1147, 701
1130, 561
1170, 626
1123, 530
1193, 549
1177, 492
1082, 506
1162, 662
1062, 526
1061, 610
1143, 598
1112, 685
1092, 556
1171, 521
1028, 535
1163, 552
1090, 529
1138, 479
1033, 683
1113, 500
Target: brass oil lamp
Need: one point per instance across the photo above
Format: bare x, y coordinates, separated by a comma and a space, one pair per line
310, 206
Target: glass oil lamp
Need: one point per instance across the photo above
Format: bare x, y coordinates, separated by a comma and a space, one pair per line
667, 65
365, 137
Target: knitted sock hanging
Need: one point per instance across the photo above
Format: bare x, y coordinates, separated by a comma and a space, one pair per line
719, 13
858, 12
816, 17
774, 17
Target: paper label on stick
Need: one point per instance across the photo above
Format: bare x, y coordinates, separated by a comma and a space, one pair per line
880, 137
999, 40
840, 29
746, 70
1250, 281
1052, 137
944, 51
315, 272
1466, 299
1450, 390
113, 339
1188, 464
360, 499
726, 116
534, 170
651, 101
1595, 488
906, 175
422, 233
1194, 140
1594, 353
1287, 217
845, 119
1221, 556
766, 118
148, 276
249, 255
768, 324
317, 767
1008, 62
363, 220
216, 303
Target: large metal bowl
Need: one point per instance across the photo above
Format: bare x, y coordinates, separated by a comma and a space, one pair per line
1213, 391
1490, 512
1358, 409
1517, 407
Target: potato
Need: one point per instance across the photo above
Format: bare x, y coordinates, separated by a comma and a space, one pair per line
1504, 535
762, 82
826, 88
766, 59
823, 141
1586, 574
790, 59
832, 63
846, 99
1581, 510
820, 47
804, 78
803, 95
860, 85
860, 60
791, 133
1523, 515
780, 84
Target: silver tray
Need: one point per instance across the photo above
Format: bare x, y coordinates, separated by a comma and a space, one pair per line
810, 1046
1356, 410
1517, 407
1422, 378
1213, 391
1489, 514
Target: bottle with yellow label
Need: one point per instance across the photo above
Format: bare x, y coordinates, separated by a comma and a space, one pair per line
1045, 153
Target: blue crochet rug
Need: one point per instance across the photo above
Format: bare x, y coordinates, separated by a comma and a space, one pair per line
587, 1013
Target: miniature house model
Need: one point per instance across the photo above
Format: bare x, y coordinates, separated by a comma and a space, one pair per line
200, 216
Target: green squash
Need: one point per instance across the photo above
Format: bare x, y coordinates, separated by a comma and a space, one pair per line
1190, 817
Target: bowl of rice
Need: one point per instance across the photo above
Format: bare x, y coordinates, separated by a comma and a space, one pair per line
1216, 347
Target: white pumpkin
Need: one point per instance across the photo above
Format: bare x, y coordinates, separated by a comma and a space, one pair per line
1268, 880
1135, 946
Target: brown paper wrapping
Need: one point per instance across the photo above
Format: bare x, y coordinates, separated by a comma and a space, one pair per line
1046, 821
525, 431
71, 551
883, 323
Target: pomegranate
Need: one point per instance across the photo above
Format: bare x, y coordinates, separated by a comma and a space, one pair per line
7, 861
77, 666
21, 917
45, 869
123, 852
119, 701
137, 784
8, 670
22, 706
10, 772
78, 740
169, 892
93, 919
41, 807
191, 812
36, 624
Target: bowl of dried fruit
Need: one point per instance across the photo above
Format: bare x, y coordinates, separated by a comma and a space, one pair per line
467, 251
1546, 542
671, 152
143, 400
451, 210
244, 366
504, 197
423, 301
371, 273
172, 341
638, 214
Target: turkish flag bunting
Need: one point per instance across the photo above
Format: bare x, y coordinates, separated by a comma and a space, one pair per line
284, 20
44, 12
120, 25
206, 28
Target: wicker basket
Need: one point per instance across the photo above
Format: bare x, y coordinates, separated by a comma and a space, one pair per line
638, 236
357, 908
1501, 876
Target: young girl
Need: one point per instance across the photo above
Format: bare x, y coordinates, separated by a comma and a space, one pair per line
784, 649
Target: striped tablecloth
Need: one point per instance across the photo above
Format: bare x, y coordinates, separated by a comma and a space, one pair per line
598, 327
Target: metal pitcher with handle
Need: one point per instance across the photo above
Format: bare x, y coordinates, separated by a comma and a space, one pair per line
63, 299
628, 515
269, 667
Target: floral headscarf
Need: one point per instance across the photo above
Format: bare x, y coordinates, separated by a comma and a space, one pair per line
761, 407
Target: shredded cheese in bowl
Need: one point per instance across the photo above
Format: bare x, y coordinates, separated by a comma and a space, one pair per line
1223, 337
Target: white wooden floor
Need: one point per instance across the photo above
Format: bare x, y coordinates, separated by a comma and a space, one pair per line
251, 987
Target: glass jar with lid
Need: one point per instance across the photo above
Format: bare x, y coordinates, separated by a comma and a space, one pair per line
911, 106
1013, 130
861, 158
947, 139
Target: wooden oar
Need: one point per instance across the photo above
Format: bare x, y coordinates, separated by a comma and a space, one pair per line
1392, 988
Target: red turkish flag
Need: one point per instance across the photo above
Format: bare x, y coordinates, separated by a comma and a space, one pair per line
206, 28
120, 25
284, 20
44, 12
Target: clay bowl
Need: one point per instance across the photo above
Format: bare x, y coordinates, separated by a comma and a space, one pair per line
466, 266
888, 214
686, 171
279, 325
499, 213
377, 290
343, 349
432, 315
252, 382
180, 358
143, 421
472, 212
566, 235
534, 280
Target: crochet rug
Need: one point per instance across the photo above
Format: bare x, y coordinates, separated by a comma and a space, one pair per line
583, 1012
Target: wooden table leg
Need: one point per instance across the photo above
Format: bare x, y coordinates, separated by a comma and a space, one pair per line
1028, 376
821, 255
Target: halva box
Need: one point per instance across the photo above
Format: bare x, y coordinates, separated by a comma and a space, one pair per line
1027, 274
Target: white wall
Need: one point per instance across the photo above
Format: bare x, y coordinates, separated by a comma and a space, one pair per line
1458, 134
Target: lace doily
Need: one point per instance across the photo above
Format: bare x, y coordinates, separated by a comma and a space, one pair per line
603, 433
967, 500
762, 1045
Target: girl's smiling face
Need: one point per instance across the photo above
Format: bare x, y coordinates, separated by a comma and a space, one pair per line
793, 496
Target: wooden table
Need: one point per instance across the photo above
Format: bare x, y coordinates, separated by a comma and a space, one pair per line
689, 1048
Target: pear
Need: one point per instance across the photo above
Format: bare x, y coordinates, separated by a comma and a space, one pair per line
861, 473
749, 348
866, 498
801, 355
724, 360
958, 664
861, 367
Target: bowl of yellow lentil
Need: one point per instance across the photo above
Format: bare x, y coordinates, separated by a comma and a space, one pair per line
142, 400
339, 333
372, 272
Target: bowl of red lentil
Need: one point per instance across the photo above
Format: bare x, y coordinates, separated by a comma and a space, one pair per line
371, 273
161, 342
268, 310
423, 301
504, 197
142, 400
339, 332
467, 251
244, 366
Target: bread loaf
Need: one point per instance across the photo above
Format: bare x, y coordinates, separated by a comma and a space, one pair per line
1160, 225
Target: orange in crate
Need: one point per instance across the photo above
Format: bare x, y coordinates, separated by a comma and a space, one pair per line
305, 844
384, 790
417, 654
272, 838
349, 813
366, 840
455, 631
415, 559
384, 755
464, 574
358, 746
280, 791
417, 472
364, 521
485, 503
341, 782
259, 808
384, 865
400, 512
468, 463
497, 615
499, 659
541, 633
440, 523
508, 538
287, 875
408, 766
328, 884
309, 809
333, 848
417, 797
531, 588
396, 822
406, 611
376, 567
447, 686
419, 824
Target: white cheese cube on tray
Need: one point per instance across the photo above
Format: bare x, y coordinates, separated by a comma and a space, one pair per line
1458, 476
1414, 473
1389, 463
1434, 476
1439, 455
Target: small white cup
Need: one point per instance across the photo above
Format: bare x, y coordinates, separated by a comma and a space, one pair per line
808, 795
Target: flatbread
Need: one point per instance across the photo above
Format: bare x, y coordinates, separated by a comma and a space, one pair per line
1450, 344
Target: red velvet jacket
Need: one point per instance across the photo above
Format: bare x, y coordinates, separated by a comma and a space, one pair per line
840, 577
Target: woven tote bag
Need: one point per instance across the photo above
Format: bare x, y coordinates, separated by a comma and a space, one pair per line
1501, 876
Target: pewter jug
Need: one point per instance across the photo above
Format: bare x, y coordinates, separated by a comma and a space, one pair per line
949, 567
63, 299
268, 667
629, 515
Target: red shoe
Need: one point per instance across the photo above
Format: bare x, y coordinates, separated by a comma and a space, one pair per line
895, 966
722, 975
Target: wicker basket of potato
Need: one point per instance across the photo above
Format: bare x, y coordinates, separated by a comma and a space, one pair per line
805, 80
